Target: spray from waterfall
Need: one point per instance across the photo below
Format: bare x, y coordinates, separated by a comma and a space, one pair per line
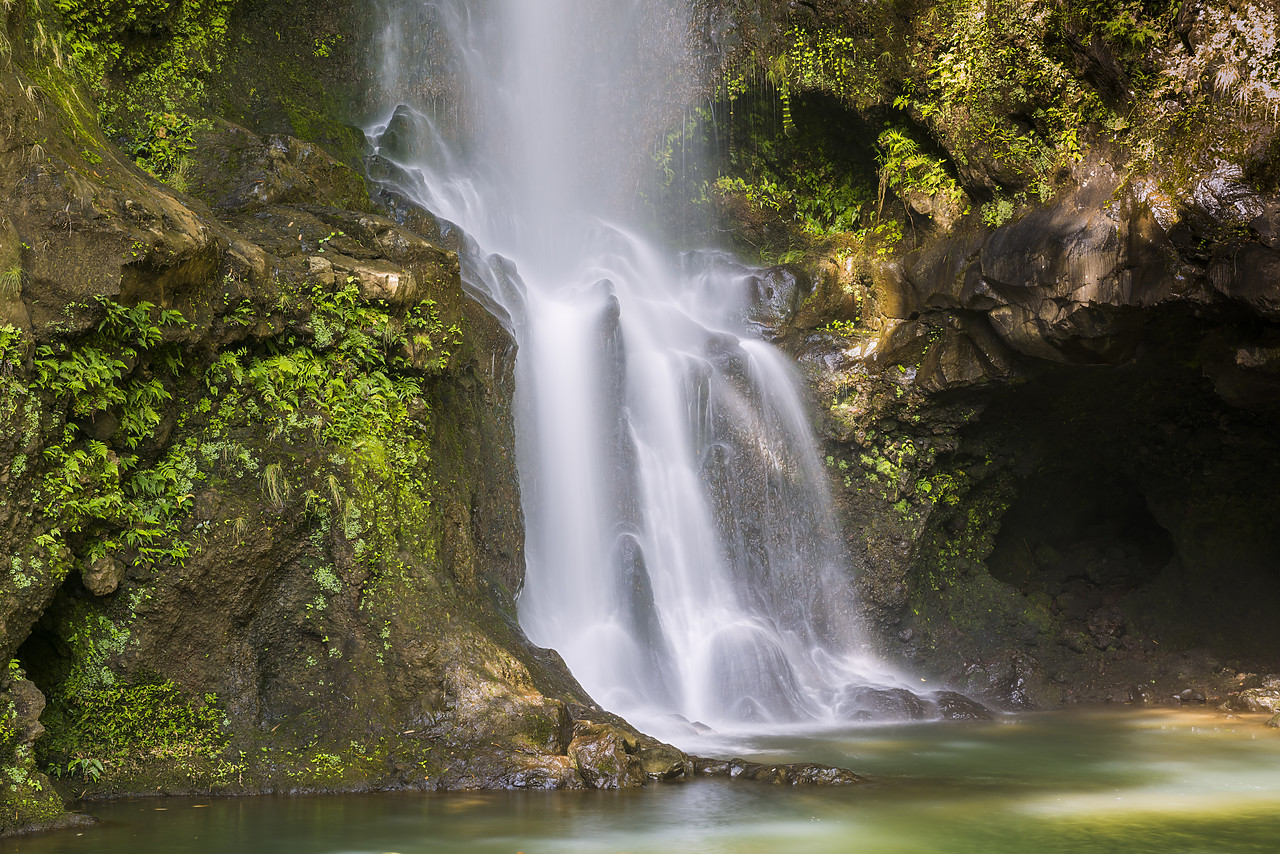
681, 550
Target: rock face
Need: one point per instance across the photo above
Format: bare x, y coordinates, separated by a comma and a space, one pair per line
1050, 423
1065, 435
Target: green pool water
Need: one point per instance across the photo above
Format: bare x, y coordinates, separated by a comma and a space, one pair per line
1069, 782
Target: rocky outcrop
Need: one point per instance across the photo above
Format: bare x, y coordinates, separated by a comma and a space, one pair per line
1053, 441
1050, 422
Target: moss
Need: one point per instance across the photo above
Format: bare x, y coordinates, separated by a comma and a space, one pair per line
27, 803
296, 74
27, 800
321, 124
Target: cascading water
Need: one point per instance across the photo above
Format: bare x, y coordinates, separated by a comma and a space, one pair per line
681, 551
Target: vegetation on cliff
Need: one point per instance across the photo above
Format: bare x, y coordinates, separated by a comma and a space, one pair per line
1000, 214
836, 119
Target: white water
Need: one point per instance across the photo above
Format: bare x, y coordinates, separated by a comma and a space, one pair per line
681, 552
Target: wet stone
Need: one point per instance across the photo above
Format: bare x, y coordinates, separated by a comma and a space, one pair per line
103, 575
957, 707
1257, 700
799, 774
876, 704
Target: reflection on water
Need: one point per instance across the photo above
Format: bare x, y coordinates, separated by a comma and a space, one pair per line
1079, 782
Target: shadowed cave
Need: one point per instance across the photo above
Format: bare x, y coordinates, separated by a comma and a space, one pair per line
1142, 498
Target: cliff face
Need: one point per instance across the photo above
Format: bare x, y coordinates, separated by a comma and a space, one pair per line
1039, 313
260, 516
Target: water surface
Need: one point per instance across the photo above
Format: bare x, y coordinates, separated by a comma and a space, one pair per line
1063, 782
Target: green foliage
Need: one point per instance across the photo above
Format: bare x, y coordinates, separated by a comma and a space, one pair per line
854, 66
348, 387
118, 728
277, 487
88, 487
12, 346
995, 87
905, 168
799, 175
764, 195
11, 282
89, 768
147, 63
1131, 26
164, 49
162, 144
997, 212
846, 329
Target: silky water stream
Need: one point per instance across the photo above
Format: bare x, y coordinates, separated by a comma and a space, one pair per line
681, 551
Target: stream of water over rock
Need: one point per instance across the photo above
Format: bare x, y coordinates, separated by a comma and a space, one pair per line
681, 550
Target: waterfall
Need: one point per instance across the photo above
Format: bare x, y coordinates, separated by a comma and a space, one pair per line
681, 550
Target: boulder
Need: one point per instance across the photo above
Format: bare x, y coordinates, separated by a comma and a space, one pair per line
1258, 700
957, 707
865, 703
103, 575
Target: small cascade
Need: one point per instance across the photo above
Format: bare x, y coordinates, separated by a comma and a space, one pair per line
682, 554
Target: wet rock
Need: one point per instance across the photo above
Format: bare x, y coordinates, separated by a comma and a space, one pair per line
601, 757
877, 704
940, 273
661, 762
1012, 679
28, 704
1249, 274
957, 707
103, 575
806, 774
103, 426
1116, 694
1190, 696
964, 357
1274, 721
802, 774
1139, 695
1106, 625
408, 137
771, 300
1061, 278
239, 169
377, 279
1257, 700
1073, 640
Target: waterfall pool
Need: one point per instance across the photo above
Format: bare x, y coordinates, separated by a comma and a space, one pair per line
1077, 781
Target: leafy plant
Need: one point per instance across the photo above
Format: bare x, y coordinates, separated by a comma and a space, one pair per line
278, 489
90, 768
164, 144
118, 727
905, 168
87, 485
